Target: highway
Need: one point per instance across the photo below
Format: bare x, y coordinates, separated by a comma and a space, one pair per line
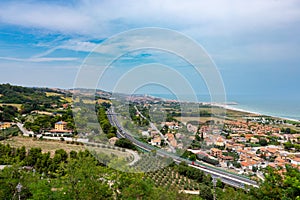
226, 177
153, 127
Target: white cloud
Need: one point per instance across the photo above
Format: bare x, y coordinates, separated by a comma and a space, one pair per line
77, 45
102, 18
243, 22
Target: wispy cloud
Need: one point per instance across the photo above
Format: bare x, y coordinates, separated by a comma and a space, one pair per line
39, 59
73, 45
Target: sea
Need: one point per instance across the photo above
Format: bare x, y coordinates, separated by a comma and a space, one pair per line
282, 106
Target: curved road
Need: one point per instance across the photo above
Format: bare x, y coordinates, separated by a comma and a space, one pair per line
226, 177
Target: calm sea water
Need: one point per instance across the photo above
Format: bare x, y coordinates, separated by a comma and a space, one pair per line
280, 106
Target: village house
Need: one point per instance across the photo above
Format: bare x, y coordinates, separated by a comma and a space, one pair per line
191, 128
241, 140
173, 143
237, 146
295, 161
220, 142
145, 134
228, 146
254, 140
60, 130
171, 125
180, 145
215, 152
178, 135
248, 165
5, 125
273, 151
171, 139
278, 160
156, 141
60, 126
153, 133
248, 137
227, 158
113, 140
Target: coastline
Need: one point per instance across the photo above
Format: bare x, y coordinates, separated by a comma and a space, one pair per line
229, 107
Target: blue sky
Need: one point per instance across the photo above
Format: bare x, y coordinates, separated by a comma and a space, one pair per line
255, 44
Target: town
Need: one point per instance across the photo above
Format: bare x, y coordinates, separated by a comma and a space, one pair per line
236, 148
245, 144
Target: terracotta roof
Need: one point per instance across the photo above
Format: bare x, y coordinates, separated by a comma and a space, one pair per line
272, 150
273, 165
245, 164
156, 139
280, 160
170, 136
228, 158
215, 149
296, 159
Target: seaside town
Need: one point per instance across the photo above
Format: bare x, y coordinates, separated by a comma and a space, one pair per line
244, 146
164, 100
237, 149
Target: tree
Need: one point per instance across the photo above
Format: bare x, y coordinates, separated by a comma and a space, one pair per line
113, 129
125, 143
288, 145
21, 153
254, 169
205, 192
33, 155
193, 157
35, 128
165, 129
137, 189
60, 156
220, 184
287, 130
263, 142
84, 180
73, 154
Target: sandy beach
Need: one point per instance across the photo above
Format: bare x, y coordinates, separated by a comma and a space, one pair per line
229, 107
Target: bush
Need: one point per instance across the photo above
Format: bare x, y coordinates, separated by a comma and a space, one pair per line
125, 143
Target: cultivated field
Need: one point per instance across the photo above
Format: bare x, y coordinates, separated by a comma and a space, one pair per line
49, 94
12, 104
45, 145
201, 119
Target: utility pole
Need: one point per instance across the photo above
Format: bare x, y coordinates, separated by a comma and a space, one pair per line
214, 180
19, 189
